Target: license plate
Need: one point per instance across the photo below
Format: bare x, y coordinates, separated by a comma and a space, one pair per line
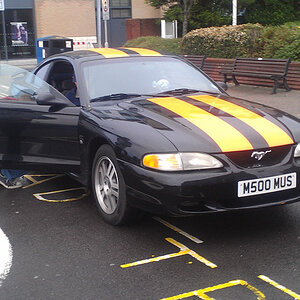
267, 185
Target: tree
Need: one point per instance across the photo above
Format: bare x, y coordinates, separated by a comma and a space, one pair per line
273, 12
194, 14
184, 6
199, 13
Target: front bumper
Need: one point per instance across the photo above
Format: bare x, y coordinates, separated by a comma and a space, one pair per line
195, 192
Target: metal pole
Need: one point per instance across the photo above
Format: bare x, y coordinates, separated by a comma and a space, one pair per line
99, 23
4, 35
234, 12
105, 28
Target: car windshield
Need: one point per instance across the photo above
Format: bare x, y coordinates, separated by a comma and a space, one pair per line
143, 76
20, 84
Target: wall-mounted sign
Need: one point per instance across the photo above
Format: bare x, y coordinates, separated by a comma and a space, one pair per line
19, 33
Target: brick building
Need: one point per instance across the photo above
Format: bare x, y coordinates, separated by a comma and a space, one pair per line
27, 20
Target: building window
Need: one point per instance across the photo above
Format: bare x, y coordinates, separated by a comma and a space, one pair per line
120, 9
119, 13
120, 3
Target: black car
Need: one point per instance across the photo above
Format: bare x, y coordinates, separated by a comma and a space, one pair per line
149, 132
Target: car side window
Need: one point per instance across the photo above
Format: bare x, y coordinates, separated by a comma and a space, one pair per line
42, 72
19, 85
62, 78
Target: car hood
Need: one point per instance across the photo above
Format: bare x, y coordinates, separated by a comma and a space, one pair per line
216, 124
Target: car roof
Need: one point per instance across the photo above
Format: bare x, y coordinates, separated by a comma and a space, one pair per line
104, 53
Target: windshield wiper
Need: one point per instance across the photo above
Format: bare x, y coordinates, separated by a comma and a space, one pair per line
121, 96
118, 96
183, 91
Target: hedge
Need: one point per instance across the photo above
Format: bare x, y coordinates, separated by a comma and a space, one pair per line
282, 41
248, 40
224, 42
171, 46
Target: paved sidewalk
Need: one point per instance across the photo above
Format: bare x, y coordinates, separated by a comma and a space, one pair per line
27, 63
286, 101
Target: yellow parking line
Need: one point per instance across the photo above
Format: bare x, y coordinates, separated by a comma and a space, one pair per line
280, 287
192, 253
183, 251
202, 293
151, 260
194, 239
40, 197
36, 182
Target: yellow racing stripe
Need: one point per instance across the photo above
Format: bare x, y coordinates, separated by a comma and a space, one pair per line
144, 52
272, 133
110, 52
227, 137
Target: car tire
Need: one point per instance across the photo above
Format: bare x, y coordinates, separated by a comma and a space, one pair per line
109, 188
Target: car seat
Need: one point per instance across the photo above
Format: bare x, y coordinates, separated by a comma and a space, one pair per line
67, 85
60, 72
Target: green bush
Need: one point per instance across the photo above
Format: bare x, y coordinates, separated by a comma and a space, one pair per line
282, 41
171, 46
224, 42
249, 40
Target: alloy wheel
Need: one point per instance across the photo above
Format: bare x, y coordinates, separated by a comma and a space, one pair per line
107, 185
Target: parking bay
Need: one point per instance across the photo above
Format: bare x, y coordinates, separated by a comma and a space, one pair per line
62, 249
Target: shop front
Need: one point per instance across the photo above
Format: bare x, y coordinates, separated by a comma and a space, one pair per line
17, 30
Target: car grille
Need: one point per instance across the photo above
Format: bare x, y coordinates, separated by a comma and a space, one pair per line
244, 159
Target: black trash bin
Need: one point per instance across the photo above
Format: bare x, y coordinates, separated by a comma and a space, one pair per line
49, 45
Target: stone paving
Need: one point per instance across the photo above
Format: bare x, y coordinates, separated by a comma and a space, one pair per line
27, 64
286, 101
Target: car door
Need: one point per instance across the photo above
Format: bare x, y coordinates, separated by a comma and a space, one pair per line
38, 125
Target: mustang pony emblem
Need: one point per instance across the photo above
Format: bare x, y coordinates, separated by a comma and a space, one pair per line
259, 155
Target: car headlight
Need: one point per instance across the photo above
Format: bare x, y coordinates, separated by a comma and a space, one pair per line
181, 161
297, 151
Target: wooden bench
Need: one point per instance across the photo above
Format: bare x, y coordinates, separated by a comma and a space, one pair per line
265, 68
197, 60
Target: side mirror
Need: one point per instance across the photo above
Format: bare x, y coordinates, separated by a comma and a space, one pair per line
222, 85
47, 98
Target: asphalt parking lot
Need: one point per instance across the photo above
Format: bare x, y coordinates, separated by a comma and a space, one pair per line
62, 249
58, 247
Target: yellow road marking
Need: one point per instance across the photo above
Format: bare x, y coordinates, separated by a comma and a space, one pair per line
225, 136
194, 239
36, 182
272, 133
280, 287
109, 52
151, 260
144, 52
202, 293
40, 197
183, 251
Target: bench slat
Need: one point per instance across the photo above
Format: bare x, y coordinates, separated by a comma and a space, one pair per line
197, 60
275, 69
